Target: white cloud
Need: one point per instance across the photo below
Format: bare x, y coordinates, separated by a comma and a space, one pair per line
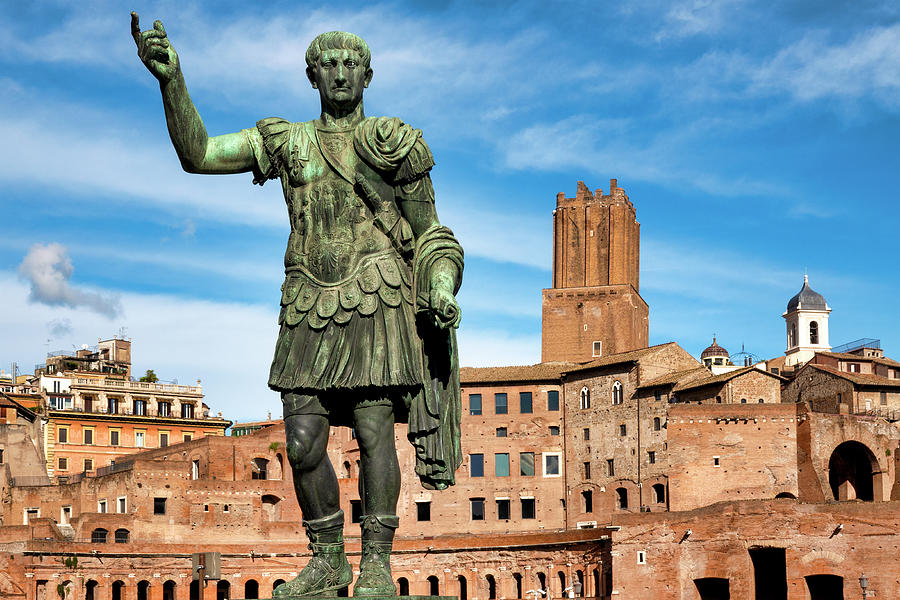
48, 271
693, 17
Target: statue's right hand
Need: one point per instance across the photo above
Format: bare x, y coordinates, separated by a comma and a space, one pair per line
154, 50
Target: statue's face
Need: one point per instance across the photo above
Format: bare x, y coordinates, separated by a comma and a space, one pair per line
340, 77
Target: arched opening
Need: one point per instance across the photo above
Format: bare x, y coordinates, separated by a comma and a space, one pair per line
195, 590
617, 392
787, 495
122, 536
792, 337
346, 473
143, 590
463, 588
492, 587
169, 590
657, 424
223, 590
585, 398
542, 582
67, 590
621, 498
259, 468
433, 587
851, 472
98, 536
90, 590
280, 459
825, 587
813, 332
271, 507
276, 583
118, 590
595, 577
403, 586
517, 577
712, 588
579, 583
561, 576
659, 493
251, 589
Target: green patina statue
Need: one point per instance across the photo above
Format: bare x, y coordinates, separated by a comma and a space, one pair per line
368, 308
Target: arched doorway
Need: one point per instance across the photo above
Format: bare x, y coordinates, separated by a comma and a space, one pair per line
90, 590
463, 588
251, 589
825, 587
169, 590
713, 588
433, 588
276, 583
118, 590
223, 590
195, 590
492, 587
403, 586
143, 590
851, 472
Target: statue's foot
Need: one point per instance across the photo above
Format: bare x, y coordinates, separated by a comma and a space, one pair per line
374, 578
319, 576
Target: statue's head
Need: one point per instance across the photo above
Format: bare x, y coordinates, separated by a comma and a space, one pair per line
338, 66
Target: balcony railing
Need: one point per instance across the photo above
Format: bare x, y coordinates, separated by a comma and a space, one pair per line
29, 481
116, 468
149, 412
140, 386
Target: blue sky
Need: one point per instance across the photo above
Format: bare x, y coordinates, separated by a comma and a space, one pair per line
757, 140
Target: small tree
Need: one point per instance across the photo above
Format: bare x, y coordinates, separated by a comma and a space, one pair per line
149, 377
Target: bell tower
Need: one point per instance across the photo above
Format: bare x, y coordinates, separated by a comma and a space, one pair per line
594, 307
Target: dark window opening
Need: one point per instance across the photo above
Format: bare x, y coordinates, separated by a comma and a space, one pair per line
433, 587
553, 401
159, 506
769, 573
713, 588
503, 509
423, 511
474, 404
501, 406
98, 536
477, 506
525, 403
527, 508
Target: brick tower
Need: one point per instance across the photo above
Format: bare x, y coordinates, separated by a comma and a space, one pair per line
594, 307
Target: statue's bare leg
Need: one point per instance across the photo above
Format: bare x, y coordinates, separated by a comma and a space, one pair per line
319, 497
379, 489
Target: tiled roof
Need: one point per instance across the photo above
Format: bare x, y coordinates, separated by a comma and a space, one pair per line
616, 359
676, 377
859, 378
716, 379
538, 372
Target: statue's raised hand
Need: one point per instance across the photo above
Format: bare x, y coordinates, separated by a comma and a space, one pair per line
154, 50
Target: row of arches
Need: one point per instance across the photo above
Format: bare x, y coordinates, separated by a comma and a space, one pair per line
119, 590
581, 584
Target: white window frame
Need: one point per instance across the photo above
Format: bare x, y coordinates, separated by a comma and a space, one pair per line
142, 436
30, 509
122, 505
544, 456
102, 506
642, 557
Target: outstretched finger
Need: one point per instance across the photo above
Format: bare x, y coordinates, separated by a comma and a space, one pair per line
157, 25
136, 27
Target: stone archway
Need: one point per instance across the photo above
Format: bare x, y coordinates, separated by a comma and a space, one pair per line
851, 472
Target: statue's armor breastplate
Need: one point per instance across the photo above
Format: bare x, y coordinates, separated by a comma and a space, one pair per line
332, 229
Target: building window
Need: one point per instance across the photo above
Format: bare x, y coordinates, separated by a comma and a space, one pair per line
813, 332
854, 367
356, 511
62, 435
623, 430
423, 511
526, 464
159, 506
651, 457
163, 439
88, 436
659, 493
140, 407
587, 470
597, 349
525, 406
63, 464
610, 467
474, 404
89, 464
716, 461
552, 401
585, 398
121, 505
657, 395
187, 436
501, 407
554, 430
195, 469
743, 401
617, 392
657, 424
122, 536
476, 465
259, 468
138, 439
587, 501
101, 506
621, 498
642, 557
528, 511
31, 513
501, 465
477, 506
501, 432
503, 509
112, 405
586, 434
187, 411
98, 536
883, 398
113, 437
551, 464
164, 409
792, 337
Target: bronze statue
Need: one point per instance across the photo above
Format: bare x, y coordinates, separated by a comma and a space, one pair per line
368, 307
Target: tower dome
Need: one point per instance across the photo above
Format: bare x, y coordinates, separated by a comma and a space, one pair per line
807, 299
714, 354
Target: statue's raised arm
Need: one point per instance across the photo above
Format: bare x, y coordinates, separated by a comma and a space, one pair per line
199, 153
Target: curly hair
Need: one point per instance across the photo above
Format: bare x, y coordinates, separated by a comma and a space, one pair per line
338, 40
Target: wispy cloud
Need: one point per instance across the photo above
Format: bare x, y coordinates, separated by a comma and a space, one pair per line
687, 18
48, 271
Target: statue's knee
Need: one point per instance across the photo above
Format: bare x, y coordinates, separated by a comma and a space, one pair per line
299, 454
